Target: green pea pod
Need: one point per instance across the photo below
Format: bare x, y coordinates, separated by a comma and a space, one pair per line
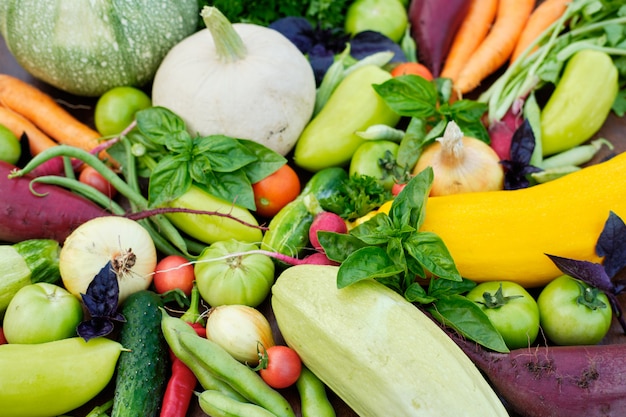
330, 139
581, 101
216, 404
190, 348
313, 398
212, 228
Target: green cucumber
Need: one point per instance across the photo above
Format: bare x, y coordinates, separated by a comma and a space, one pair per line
24, 263
142, 370
288, 231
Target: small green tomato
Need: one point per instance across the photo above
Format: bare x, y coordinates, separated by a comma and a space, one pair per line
388, 17
10, 148
115, 109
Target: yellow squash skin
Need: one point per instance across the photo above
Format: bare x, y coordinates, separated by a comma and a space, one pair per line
53, 378
375, 350
504, 235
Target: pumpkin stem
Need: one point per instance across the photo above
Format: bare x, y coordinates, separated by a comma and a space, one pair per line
228, 43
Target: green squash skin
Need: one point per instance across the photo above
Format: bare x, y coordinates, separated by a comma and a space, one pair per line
90, 47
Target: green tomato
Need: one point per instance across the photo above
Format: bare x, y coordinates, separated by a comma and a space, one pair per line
40, 313
226, 274
115, 109
10, 148
388, 17
376, 158
574, 313
511, 309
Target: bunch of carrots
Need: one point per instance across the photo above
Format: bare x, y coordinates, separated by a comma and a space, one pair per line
494, 32
30, 113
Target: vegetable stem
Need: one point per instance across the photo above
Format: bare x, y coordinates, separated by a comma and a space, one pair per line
228, 43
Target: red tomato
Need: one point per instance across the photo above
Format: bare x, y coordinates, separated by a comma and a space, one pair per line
276, 190
396, 188
414, 68
173, 272
93, 178
283, 367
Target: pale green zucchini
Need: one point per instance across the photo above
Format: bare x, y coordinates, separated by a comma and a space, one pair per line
377, 351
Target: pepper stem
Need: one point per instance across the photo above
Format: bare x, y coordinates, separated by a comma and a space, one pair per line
228, 43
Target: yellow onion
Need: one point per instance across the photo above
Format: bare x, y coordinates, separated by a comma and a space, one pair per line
461, 164
241, 330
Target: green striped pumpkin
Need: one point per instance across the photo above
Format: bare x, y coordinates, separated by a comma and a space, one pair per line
89, 47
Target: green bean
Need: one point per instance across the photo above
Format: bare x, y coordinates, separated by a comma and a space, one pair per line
190, 348
553, 173
216, 404
577, 155
313, 398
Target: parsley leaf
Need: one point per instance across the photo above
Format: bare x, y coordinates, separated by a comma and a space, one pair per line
355, 197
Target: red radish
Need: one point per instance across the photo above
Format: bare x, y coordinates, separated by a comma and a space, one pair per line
326, 221
433, 26
556, 381
51, 215
318, 258
501, 132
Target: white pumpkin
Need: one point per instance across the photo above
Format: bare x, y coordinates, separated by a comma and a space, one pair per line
240, 80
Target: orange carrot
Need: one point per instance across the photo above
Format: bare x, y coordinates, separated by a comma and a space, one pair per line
45, 113
497, 46
471, 33
19, 125
541, 18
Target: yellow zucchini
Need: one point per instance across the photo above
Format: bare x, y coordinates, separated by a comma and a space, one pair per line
504, 235
375, 350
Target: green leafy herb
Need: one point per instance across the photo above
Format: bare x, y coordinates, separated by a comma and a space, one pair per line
356, 196
223, 166
391, 249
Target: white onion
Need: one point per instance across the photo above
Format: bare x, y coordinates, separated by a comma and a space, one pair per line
94, 243
241, 330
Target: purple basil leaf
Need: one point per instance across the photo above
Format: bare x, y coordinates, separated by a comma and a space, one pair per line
590, 272
95, 327
298, 30
102, 293
367, 42
611, 245
518, 167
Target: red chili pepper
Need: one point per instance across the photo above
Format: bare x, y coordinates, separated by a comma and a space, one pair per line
182, 382
3, 340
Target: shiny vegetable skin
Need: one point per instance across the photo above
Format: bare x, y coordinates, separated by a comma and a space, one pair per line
54, 378
196, 351
142, 370
330, 138
433, 26
556, 381
52, 215
289, 230
581, 101
313, 398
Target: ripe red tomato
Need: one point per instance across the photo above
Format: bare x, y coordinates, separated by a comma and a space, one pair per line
283, 367
275, 191
93, 178
413, 68
173, 272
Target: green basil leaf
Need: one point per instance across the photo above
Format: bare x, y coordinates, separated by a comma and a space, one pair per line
370, 262
338, 246
408, 206
225, 153
439, 288
233, 187
415, 293
158, 124
469, 320
267, 163
169, 179
200, 169
412, 143
430, 251
179, 142
409, 95
375, 231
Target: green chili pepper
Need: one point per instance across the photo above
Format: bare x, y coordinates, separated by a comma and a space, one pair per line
313, 398
581, 101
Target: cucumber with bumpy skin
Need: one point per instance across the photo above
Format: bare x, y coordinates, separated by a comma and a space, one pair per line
142, 370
